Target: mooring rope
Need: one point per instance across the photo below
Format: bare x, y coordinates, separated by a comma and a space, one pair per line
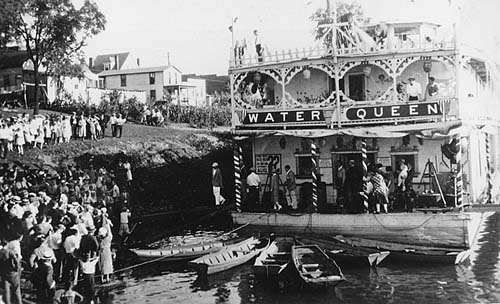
403, 229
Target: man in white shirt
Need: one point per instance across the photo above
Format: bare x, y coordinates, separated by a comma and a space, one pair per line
112, 122
413, 90
431, 90
71, 243
4, 135
253, 184
120, 121
258, 46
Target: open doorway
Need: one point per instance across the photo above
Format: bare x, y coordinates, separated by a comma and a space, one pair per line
356, 86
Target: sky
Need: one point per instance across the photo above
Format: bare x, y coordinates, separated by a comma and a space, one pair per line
194, 34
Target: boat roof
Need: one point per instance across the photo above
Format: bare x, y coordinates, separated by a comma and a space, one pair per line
431, 130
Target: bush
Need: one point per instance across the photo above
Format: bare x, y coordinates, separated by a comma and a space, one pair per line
198, 117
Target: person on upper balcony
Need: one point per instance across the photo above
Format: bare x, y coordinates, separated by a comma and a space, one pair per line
258, 46
432, 89
413, 90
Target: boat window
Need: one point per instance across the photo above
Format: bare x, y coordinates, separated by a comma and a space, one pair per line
304, 165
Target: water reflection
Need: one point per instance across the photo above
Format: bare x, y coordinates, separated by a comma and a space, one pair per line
474, 282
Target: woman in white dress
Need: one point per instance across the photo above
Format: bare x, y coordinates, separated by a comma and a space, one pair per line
66, 129
105, 256
20, 137
82, 127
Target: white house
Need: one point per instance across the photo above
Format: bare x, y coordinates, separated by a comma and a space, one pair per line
85, 89
157, 82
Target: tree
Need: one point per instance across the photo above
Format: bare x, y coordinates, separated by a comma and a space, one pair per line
324, 16
53, 31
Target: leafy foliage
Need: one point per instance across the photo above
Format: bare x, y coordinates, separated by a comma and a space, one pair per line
323, 17
53, 31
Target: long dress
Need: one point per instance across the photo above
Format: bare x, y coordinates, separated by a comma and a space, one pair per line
66, 129
82, 128
105, 257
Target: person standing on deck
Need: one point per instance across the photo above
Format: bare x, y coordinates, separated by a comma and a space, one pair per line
291, 186
414, 90
275, 190
253, 183
217, 184
431, 90
353, 185
380, 189
258, 46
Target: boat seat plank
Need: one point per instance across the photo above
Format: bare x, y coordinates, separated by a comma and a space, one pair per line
268, 261
310, 265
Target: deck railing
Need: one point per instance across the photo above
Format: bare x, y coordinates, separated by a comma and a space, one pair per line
250, 59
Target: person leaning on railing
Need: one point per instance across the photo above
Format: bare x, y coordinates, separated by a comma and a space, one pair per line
413, 89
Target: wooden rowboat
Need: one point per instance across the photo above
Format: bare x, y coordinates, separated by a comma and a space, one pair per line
272, 261
230, 256
347, 254
412, 253
316, 268
180, 252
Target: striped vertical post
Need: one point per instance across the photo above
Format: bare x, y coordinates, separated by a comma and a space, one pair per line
314, 172
488, 168
364, 161
458, 176
237, 177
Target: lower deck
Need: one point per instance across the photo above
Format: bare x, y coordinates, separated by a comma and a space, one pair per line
450, 230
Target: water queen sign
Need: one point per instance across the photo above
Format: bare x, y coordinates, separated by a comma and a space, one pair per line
394, 111
269, 117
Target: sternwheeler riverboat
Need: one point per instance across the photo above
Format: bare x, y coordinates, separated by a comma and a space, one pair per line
399, 97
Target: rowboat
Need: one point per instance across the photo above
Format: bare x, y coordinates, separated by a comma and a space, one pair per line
347, 254
316, 268
230, 256
412, 253
272, 261
184, 252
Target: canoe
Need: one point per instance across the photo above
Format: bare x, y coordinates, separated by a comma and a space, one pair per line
412, 253
230, 256
272, 261
347, 254
179, 252
316, 268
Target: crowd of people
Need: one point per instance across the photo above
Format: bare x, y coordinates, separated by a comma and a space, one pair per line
21, 131
56, 228
152, 117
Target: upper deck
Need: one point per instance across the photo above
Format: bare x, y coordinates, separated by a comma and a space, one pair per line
404, 73
375, 41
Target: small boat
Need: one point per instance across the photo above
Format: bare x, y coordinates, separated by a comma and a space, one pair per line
347, 254
230, 256
412, 253
184, 252
316, 268
272, 261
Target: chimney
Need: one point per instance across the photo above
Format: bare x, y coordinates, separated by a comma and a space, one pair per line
90, 62
138, 62
117, 61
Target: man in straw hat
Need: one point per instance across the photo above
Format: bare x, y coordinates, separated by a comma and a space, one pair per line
413, 89
217, 184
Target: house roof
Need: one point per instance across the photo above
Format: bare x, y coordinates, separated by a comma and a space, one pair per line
100, 60
160, 68
14, 59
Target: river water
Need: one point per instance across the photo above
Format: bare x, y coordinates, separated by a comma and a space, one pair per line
477, 281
